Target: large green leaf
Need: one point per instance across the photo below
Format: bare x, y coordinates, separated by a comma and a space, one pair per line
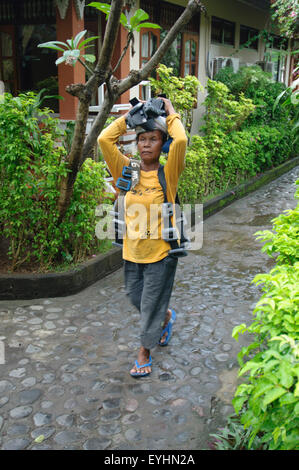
60, 60
89, 57
79, 37
123, 20
285, 374
103, 7
273, 394
53, 45
147, 25
86, 41
263, 386
140, 15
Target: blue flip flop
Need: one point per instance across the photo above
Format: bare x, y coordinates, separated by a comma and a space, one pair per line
138, 366
168, 329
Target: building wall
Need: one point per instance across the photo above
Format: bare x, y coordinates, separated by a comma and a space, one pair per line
134, 59
238, 13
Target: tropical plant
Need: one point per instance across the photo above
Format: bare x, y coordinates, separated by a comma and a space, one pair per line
73, 48
290, 101
268, 401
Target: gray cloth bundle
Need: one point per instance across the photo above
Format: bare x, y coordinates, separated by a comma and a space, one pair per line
160, 125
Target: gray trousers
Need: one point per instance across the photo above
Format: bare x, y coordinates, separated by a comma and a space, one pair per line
149, 288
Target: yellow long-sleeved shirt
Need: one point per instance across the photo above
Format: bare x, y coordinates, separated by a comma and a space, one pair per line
142, 242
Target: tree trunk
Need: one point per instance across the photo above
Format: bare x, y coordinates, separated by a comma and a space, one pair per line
67, 182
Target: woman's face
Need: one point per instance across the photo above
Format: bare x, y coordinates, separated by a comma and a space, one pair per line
149, 146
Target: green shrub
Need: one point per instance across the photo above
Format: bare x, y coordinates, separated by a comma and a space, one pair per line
284, 242
224, 113
182, 92
235, 157
258, 86
230, 152
270, 146
80, 221
194, 182
231, 159
268, 402
31, 165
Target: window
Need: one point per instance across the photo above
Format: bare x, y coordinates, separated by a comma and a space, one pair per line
182, 55
275, 54
7, 61
149, 43
249, 34
189, 65
222, 31
173, 56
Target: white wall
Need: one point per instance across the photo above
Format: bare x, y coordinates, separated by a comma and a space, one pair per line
134, 59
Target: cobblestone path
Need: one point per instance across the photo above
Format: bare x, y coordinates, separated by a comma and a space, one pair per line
65, 381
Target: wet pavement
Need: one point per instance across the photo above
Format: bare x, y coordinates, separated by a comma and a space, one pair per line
65, 383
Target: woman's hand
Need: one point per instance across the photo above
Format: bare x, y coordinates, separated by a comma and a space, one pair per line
169, 109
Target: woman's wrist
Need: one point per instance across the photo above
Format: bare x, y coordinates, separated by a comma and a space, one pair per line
168, 106
171, 110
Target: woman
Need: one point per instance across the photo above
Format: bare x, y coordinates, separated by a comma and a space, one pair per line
149, 269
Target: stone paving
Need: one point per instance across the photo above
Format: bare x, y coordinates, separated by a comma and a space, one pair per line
65, 383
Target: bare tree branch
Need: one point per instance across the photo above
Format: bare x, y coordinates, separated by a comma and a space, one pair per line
110, 35
129, 39
86, 66
102, 70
